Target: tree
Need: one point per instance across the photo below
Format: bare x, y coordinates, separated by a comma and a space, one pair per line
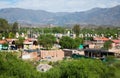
67, 42
107, 44
58, 30
47, 41
76, 29
82, 68
15, 27
70, 43
11, 35
13, 67
79, 40
4, 26
19, 42
5, 34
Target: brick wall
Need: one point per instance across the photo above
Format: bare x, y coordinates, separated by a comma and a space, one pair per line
53, 54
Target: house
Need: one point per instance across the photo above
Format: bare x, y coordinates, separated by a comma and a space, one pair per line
31, 50
98, 53
116, 44
68, 52
30, 43
9, 40
116, 47
31, 55
11, 43
36, 54
99, 41
2, 46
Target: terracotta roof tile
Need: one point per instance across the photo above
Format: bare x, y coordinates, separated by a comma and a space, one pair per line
2, 41
116, 41
101, 38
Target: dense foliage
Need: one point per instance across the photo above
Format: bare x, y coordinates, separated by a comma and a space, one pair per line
70, 43
47, 41
107, 45
7, 30
4, 26
19, 42
58, 30
76, 29
15, 27
13, 67
67, 42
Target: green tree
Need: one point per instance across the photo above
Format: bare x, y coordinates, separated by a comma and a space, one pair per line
15, 27
46, 30
67, 42
11, 35
107, 44
58, 30
79, 40
82, 68
5, 34
13, 67
47, 41
4, 26
19, 42
76, 29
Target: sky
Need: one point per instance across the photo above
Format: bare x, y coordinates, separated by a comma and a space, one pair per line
59, 5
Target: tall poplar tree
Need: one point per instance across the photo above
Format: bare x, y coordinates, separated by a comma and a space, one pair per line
15, 27
76, 29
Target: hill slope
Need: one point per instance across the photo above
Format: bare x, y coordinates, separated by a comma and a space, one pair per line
99, 16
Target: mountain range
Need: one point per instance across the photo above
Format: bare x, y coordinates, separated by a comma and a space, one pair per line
97, 16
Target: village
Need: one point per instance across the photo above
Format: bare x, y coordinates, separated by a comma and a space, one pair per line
59, 38
31, 50
47, 46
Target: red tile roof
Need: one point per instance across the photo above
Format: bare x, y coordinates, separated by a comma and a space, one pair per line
101, 38
31, 39
2, 41
10, 40
116, 41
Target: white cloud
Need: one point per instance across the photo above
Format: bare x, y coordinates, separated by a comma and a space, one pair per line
59, 5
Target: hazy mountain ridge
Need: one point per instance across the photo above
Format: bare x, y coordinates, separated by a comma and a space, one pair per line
99, 16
